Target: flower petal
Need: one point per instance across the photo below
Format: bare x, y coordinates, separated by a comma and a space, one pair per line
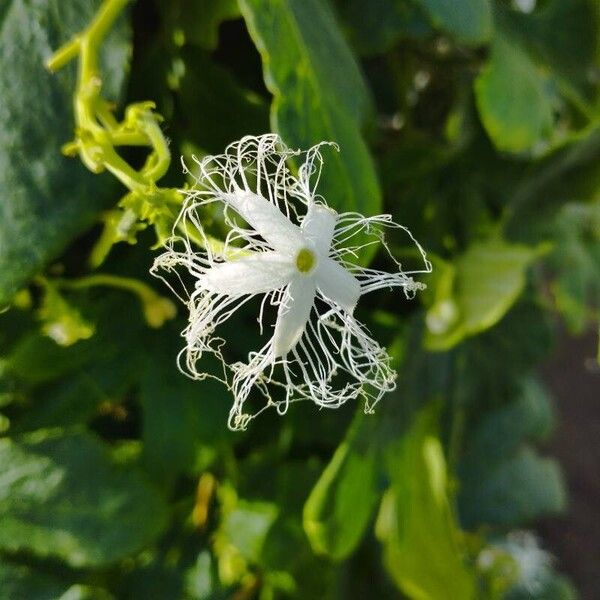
257, 273
337, 284
318, 226
293, 315
267, 220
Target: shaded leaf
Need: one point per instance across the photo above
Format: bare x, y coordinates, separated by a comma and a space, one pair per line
22, 583
569, 171
576, 262
512, 492
211, 109
199, 20
67, 384
374, 27
179, 415
501, 431
51, 506
565, 37
469, 21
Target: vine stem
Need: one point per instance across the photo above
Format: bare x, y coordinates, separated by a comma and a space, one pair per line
104, 279
156, 309
98, 132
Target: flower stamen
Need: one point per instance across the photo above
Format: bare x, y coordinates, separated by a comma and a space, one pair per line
306, 261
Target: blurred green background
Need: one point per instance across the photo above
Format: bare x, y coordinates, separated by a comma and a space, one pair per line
476, 123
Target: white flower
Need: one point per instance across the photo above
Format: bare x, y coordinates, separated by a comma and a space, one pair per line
531, 565
286, 246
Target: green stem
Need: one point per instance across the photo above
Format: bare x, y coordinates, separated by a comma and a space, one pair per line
139, 288
98, 132
89, 83
64, 55
104, 20
161, 149
156, 309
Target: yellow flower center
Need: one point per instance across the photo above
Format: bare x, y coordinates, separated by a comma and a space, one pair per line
306, 260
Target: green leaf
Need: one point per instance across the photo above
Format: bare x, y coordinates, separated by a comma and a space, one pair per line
86, 592
512, 492
319, 94
199, 579
488, 278
72, 401
22, 583
47, 199
374, 27
469, 21
563, 36
62, 496
569, 171
157, 579
342, 502
422, 549
179, 414
67, 384
239, 540
575, 260
514, 99
62, 321
503, 480
247, 525
501, 431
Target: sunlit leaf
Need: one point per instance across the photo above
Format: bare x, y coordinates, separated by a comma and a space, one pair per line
420, 536
514, 99
488, 278
319, 94
342, 502
239, 540
47, 199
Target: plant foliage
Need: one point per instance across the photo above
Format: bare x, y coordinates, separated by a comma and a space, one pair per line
476, 123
